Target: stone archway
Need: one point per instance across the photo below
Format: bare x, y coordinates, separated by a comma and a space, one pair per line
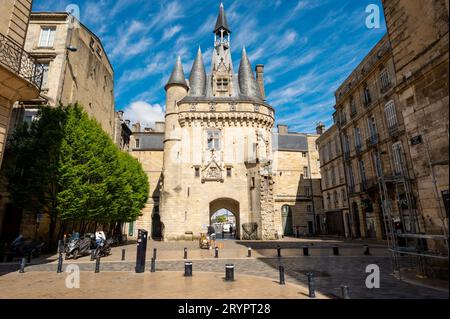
230, 205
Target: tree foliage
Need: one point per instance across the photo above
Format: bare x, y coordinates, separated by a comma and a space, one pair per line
67, 166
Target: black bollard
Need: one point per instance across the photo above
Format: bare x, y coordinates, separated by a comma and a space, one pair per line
92, 254
154, 253
60, 263
185, 253
123, 254
336, 250
153, 265
311, 285
97, 264
216, 252
345, 292
366, 250
188, 269
23, 262
305, 251
281, 269
278, 251
249, 253
60, 246
229, 272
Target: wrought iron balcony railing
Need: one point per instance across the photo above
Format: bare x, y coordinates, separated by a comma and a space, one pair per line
373, 140
358, 149
16, 59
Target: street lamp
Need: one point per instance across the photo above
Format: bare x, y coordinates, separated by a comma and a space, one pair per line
72, 49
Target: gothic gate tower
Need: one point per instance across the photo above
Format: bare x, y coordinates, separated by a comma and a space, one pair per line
218, 145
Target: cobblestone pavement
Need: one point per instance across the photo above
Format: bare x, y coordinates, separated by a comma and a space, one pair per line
160, 285
330, 271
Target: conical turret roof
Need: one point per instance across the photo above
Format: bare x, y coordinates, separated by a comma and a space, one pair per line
197, 78
222, 20
247, 82
177, 77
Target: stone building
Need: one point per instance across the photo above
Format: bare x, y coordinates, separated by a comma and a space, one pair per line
76, 68
20, 74
122, 132
20, 79
297, 190
421, 60
216, 150
374, 144
334, 188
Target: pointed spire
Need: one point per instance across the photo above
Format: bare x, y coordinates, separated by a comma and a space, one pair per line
177, 77
222, 20
247, 82
197, 78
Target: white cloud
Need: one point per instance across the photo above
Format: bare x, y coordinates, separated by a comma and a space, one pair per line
169, 33
143, 112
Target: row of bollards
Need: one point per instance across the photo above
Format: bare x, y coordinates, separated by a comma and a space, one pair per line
335, 249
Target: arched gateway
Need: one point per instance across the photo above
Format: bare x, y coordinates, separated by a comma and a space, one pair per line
228, 204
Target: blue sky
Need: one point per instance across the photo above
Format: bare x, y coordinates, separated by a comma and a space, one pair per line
308, 48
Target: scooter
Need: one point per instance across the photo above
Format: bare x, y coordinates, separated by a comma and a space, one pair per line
20, 248
77, 247
104, 248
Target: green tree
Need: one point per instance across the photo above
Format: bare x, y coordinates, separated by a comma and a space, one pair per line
67, 166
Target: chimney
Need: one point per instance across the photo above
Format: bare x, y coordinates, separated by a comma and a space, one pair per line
160, 127
260, 79
282, 129
320, 128
120, 113
136, 127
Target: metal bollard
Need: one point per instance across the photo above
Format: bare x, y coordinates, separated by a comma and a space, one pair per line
366, 250
97, 264
60, 263
229, 272
185, 253
154, 253
305, 251
278, 251
336, 250
281, 269
123, 254
216, 252
188, 269
249, 253
60, 246
153, 265
311, 285
92, 254
23, 262
345, 292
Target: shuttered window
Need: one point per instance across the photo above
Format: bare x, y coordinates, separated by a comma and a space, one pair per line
391, 115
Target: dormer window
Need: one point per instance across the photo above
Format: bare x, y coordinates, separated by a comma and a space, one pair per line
222, 84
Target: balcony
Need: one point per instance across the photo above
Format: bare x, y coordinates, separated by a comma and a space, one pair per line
346, 155
358, 149
393, 130
373, 140
19, 71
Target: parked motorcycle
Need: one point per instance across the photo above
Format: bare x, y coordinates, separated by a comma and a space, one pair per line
104, 248
21, 248
80, 246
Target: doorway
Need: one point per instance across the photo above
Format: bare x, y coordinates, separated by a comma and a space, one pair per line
224, 217
286, 218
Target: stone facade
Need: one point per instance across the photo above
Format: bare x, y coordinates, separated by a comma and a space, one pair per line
339, 221
420, 54
15, 65
76, 70
81, 74
20, 79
